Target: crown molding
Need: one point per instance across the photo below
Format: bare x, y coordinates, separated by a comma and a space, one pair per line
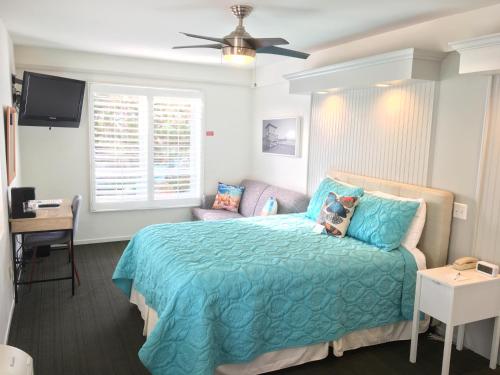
490, 40
405, 64
479, 55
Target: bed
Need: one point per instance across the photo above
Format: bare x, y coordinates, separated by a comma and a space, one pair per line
254, 295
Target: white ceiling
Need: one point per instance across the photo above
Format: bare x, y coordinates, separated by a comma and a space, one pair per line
149, 28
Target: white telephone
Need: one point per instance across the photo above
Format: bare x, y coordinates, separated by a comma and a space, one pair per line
465, 263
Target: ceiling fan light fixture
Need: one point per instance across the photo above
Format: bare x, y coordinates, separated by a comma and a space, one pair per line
238, 55
239, 47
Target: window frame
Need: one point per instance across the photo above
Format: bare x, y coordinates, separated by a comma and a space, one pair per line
149, 92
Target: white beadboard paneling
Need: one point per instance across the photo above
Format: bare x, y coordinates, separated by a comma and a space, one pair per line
378, 132
488, 213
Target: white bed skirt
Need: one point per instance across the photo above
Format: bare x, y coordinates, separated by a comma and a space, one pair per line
295, 356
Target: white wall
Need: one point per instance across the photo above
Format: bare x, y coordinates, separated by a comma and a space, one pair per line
456, 147
454, 165
57, 161
6, 290
457, 119
488, 205
488, 213
274, 101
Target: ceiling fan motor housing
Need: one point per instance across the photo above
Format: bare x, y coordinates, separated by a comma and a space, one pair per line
238, 51
241, 11
238, 36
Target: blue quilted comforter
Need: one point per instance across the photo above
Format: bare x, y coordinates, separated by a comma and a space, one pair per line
228, 291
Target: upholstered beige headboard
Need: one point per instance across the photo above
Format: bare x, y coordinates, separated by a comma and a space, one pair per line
436, 235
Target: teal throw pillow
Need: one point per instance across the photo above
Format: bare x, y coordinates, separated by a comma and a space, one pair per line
382, 222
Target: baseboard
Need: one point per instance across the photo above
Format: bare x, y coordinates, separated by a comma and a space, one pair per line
89, 241
9, 322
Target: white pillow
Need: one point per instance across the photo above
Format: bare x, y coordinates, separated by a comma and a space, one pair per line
412, 236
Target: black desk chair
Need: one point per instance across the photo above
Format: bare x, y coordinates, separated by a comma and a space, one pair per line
34, 240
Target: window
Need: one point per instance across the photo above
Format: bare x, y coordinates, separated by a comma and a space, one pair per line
145, 147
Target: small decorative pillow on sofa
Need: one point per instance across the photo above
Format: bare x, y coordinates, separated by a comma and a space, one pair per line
329, 185
382, 222
270, 207
336, 213
228, 197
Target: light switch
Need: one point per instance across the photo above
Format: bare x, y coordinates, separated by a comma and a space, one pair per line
460, 211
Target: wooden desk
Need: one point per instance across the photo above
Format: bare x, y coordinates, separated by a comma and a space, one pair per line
46, 220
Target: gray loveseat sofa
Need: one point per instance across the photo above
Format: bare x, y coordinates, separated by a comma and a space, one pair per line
254, 197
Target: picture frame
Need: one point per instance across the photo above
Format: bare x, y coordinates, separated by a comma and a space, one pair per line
281, 136
10, 142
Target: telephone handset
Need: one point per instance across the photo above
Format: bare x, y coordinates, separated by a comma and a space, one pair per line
465, 263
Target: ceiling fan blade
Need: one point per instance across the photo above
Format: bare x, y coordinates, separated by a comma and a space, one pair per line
216, 46
218, 40
266, 42
283, 52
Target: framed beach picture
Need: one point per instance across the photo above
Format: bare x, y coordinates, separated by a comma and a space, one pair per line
281, 136
10, 142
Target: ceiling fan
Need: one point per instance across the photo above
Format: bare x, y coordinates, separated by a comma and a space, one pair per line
240, 47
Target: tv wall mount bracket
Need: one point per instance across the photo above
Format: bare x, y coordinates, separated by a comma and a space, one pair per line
16, 94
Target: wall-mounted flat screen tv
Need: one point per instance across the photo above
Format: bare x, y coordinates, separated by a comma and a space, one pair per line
51, 101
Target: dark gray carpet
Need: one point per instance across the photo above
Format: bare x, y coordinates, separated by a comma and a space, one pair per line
99, 332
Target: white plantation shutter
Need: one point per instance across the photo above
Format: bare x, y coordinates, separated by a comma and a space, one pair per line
145, 147
175, 154
120, 149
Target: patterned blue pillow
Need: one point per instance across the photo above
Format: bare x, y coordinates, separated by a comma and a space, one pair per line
328, 185
381, 222
228, 197
270, 207
336, 214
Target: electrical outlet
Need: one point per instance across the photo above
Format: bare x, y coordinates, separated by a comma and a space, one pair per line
460, 211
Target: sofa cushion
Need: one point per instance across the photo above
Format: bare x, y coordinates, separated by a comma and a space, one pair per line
208, 215
253, 191
289, 201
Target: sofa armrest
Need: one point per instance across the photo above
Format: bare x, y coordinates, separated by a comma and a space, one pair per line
208, 201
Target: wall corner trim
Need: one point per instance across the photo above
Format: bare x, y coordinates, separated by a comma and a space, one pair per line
9, 322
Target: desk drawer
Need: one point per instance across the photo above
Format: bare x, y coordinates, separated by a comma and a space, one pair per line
436, 299
37, 225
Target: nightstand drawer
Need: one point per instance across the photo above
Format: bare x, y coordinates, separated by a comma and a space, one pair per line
435, 299
476, 302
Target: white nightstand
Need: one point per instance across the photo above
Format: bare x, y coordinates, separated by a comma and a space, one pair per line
456, 301
14, 361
